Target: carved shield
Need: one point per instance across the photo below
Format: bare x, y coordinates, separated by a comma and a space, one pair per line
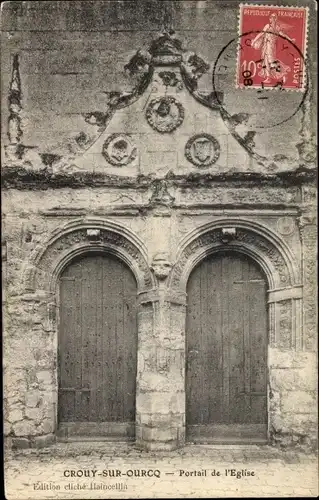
202, 149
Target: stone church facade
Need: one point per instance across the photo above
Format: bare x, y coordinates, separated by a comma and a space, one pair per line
206, 243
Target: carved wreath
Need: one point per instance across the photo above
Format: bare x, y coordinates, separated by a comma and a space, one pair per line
118, 150
165, 114
202, 150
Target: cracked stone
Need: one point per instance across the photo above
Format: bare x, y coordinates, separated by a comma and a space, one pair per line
15, 416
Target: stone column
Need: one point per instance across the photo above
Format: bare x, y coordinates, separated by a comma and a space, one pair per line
160, 411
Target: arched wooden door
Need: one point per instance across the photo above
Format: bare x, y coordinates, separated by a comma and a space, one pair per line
97, 348
226, 351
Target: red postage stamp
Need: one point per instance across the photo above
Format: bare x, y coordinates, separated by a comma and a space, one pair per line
272, 47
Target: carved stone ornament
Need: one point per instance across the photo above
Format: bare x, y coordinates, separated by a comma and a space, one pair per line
165, 114
161, 195
118, 150
43, 267
169, 78
161, 266
245, 236
285, 226
202, 150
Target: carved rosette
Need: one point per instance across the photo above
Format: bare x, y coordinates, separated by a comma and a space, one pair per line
118, 150
72, 240
202, 150
169, 78
165, 114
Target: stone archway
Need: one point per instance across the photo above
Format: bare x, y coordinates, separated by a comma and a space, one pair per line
85, 236
50, 260
268, 250
284, 294
226, 350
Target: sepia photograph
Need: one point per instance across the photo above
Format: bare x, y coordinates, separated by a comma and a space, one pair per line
159, 249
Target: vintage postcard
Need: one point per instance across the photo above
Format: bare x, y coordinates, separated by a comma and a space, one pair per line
159, 244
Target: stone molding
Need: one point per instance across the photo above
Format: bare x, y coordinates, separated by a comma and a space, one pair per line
254, 239
270, 251
308, 235
169, 296
52, 256
285, 294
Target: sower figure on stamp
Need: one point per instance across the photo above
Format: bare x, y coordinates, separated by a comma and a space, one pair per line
266, 41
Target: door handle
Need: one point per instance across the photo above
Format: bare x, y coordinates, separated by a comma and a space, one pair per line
192, 351
190, 356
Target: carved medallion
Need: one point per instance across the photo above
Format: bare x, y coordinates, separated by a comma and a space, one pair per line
118, 150
285, 226
202, 150
165, 114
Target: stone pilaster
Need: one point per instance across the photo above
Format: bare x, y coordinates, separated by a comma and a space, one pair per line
160, 399
308, 233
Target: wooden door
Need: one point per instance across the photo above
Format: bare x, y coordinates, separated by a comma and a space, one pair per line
226, 351
97, 348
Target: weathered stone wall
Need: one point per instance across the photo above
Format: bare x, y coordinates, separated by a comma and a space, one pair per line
30, 336
64, 63
73, 55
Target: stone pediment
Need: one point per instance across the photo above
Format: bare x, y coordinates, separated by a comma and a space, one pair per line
168, 124
163, 130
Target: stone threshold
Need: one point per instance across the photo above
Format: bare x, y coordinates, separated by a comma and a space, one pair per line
121, 450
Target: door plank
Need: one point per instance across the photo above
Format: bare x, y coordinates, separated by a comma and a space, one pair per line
97, 343
226, 326
235, 299
246, 334
82, 402
215, 347
204, 347
225, 337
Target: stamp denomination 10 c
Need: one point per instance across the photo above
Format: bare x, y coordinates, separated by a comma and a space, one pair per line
272, 47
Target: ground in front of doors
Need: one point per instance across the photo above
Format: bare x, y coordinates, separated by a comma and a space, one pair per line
47, 473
